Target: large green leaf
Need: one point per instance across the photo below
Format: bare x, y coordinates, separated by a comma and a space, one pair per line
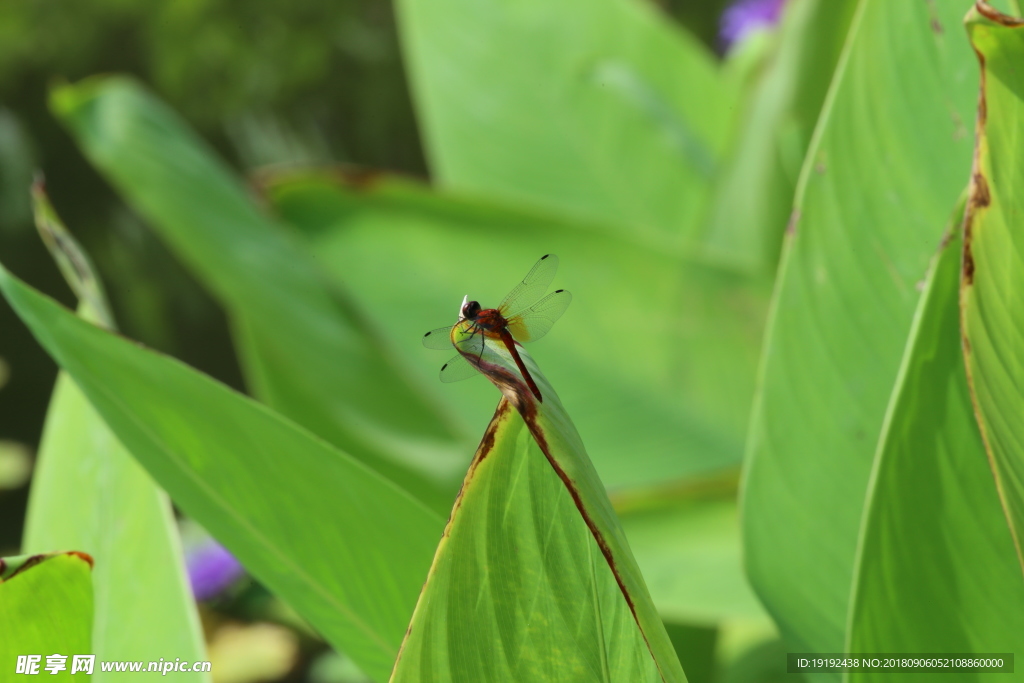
45, 609
754, 195
992, 293
519, 590
656, 355
88, 493
308, 353
879, 183
598, 109
534, 579
345, 547
936, 570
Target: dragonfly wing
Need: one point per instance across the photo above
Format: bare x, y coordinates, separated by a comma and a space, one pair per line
532, 287
537, 320
439, 339
457, 369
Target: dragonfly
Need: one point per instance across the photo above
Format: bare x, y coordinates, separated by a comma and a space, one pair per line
525, 315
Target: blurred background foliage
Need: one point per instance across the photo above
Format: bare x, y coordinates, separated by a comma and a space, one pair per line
260, 81
263, 82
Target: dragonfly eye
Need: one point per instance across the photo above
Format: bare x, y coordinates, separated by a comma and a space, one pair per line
470, 309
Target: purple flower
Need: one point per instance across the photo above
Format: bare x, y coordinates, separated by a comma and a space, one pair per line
211, 569
744, 16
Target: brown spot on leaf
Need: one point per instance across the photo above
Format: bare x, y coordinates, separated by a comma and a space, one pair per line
968, 263
487, 443
28, 564
791, 224
946, 239
482, 451
968, 259
933, 18
980, 196
358, 178
959, 129
42, 557
995, 15
83, 556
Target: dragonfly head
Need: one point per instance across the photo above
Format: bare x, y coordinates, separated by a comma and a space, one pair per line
468, 309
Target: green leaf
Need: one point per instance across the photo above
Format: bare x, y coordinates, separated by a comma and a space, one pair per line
534, 579
595, 109
519, 590
45, 608
89, 493
74, 264
936, 570
993, 267
308, 352
881, 178
345, 547
656, 354
557, 437
754, 197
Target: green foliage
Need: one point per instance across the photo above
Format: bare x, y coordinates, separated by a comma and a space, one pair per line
783, 105
878, 185
888, 394
533, 560
675, 387
519, 589
88, 493
255, 68
46, 607
607, 135
292, 325
947, 502
993, 277
345, 546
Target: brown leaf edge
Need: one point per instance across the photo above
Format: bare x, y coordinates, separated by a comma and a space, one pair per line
13, 566
979, 198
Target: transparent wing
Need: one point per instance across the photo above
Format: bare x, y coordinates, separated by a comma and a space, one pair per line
537, 320
532, 287
439, 339
457, 369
